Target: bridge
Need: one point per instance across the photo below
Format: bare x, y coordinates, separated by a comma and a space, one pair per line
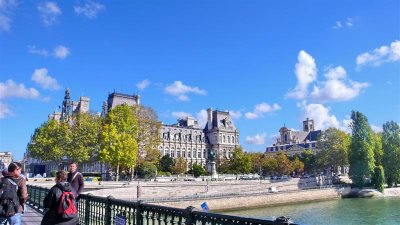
107, 211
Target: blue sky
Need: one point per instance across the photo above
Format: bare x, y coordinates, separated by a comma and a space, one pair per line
269, 63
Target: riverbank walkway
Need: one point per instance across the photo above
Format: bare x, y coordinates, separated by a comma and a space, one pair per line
31, 216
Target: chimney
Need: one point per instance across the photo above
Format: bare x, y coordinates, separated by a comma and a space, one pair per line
209, 118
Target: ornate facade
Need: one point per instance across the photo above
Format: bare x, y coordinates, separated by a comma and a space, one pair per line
185, 139
294, 142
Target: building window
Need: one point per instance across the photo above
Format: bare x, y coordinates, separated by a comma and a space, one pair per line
189, 154
178, 153
183, 154
223, 138
233, 140
199, 155
229, 139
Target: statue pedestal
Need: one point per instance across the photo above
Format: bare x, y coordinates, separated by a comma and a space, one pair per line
211, 169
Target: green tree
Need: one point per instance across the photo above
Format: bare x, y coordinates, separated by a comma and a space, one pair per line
197, 170
284, 166
148, 135
308, 159
391, 155
49, 141
334, 149
361, 156
240, 162
166, 163
378, 149
257, 159
85, 134
180, 166
118, 145
147, 170
378, 178
297, 165
270, 165
224, 166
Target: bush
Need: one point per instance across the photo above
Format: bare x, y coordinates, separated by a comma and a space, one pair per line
147, 170
53, 173
378, 179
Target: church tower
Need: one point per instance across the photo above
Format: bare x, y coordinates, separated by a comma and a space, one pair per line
308, 125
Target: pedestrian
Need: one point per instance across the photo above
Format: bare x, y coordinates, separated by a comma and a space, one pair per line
12, 179
52, 202
75, 178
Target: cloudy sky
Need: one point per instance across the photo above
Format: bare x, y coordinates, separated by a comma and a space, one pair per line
269, 63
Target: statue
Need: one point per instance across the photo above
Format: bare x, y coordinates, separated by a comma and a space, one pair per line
211, 155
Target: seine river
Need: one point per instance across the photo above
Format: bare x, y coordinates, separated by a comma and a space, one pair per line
343, 211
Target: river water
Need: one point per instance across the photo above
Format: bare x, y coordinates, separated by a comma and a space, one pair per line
358, 211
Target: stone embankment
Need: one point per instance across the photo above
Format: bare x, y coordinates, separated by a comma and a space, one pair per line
259, 200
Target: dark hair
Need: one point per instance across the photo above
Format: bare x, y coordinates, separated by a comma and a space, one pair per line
14, 166
73, 163
61, 175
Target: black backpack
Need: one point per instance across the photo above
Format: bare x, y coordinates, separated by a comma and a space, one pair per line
9, 201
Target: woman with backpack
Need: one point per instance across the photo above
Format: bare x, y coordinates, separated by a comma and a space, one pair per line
60, 202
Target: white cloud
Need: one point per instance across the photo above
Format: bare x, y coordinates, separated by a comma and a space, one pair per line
90, 9
37, 51
337, 87
258, 139
235, 114
340, 24
143, 84
180, 115
11, 89
49, 12
380, 55
61, 52
6, 8
377, 129
261, 109
41, 77
321, 115
201, 117
306, 73
180, 90
5, 110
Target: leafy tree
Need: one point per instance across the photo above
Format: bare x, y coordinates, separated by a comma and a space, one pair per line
166, 163
85, 133
378, 149
147, 170
180, 166
361, 156
118, 145
49, 141
308, 159
284, 164
270, 165
240, 162
334, 147
148, 135
378, 179
224, 166
391, 155
257, 159
297, 165
197, 170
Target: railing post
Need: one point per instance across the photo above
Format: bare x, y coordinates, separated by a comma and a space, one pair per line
189, 217
139, 213
87, 209
108, 210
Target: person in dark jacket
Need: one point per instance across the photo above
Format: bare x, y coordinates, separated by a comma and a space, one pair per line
75, 178
14, 171
52, 201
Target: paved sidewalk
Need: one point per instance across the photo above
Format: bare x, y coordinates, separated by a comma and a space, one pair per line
31, 216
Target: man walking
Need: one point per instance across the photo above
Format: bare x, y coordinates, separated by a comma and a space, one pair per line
75, 178
13, 184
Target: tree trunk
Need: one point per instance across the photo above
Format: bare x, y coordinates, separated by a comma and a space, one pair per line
117, 173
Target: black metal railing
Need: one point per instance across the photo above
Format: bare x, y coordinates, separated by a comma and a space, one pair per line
95, 210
